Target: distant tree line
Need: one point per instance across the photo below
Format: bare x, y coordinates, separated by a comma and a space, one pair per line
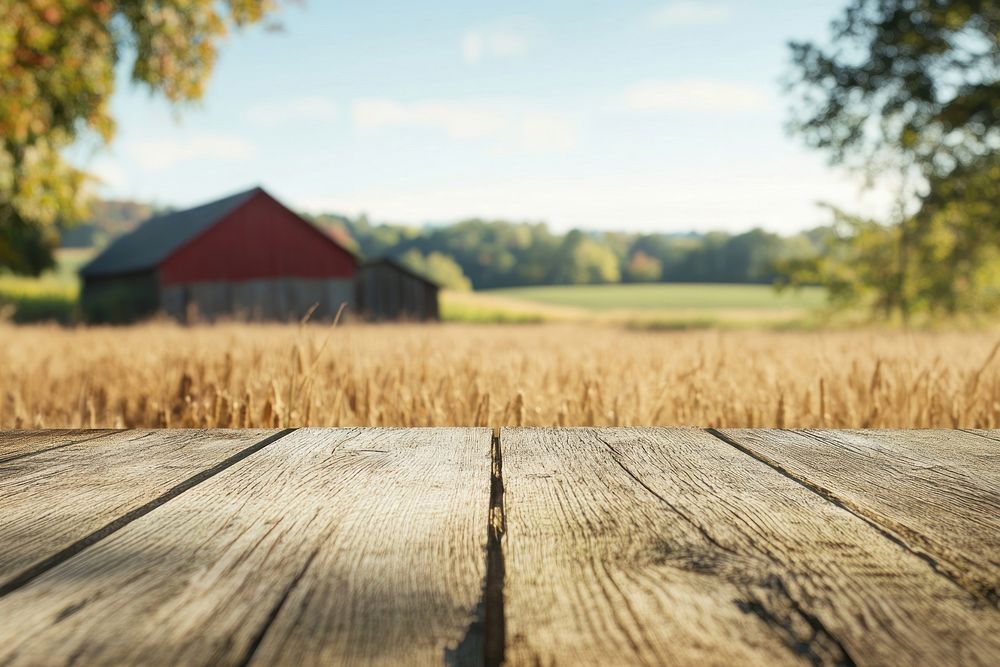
108, 219
485, 254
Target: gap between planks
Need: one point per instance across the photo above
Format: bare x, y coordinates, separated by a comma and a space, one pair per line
831, 497
70, 440
495, 630
873, 518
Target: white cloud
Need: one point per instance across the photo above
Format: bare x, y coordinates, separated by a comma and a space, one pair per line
290, 111
515, 129
698, 95
162, 153
690, 12
458, 120
541, 132
500, 41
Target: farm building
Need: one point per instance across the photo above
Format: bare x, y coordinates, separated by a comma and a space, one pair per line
387, 290
245, 256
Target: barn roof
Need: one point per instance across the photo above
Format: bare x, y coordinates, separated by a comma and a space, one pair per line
156, 239
402, 268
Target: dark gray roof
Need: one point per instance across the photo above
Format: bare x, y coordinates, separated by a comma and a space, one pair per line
154, 240
399, 266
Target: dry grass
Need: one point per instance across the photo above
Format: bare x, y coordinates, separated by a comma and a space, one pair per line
160, 375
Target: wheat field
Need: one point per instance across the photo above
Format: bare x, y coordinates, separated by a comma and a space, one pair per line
240, 375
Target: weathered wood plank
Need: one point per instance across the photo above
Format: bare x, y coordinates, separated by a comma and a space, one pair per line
991, 435
328, 546
936, 490
669, 546
55, 498
18, 444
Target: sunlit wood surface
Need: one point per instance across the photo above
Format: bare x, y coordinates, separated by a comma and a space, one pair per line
526, 546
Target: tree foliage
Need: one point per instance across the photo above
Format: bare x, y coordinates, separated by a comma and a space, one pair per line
581, 260
497, 253
917, 79
858, 261
438, 267
58, 59
956, 240
642, 268
910, 88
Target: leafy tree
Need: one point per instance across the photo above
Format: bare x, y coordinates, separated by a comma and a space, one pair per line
858, 262
438, 267
911, 86
643, 269
704, 262
911, 79
956, 240
58, 59
582, 260
673, 253
618, 243
338, 227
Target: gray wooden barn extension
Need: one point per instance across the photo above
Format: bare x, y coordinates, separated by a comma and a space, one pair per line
387, 290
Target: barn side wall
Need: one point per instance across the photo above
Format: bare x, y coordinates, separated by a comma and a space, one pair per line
279, 299
119, 299
386, 293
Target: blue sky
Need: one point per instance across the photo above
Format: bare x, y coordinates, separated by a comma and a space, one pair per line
603, 115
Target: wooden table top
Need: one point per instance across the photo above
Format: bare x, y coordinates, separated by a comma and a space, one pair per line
532, 546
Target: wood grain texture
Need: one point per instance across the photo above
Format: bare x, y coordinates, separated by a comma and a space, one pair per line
669, 546
54, 498
18, 444
988, 433
329, 546
938, 491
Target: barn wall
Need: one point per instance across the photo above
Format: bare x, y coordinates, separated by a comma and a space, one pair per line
281, 299
386, 293
260, 239
119, 299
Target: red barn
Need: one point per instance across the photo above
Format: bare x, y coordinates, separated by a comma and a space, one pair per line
244, 256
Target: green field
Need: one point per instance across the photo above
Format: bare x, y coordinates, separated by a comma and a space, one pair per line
50, 297
666, 296
654, 306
